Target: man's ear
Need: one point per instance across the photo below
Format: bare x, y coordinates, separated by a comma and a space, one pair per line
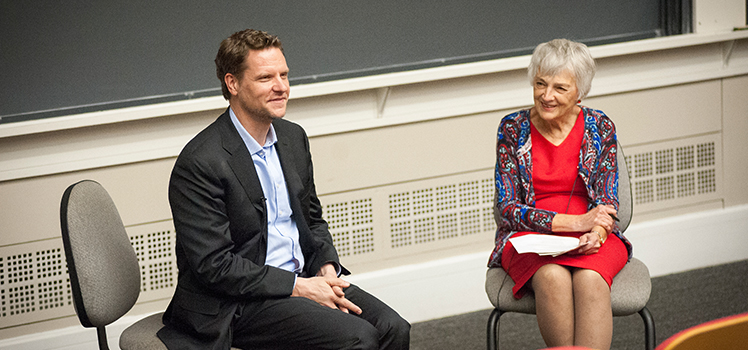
232, 83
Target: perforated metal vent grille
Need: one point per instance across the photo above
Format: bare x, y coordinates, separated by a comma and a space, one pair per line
401, 221
156, 259
675, 173
351, 226
440, 212
34, 281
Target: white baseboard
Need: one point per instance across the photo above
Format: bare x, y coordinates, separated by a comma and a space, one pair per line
455, 285
70, 338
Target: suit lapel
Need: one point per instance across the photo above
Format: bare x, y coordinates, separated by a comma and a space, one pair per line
288, 164
293, 181
241, 163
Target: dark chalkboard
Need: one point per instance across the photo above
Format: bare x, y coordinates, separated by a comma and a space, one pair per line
68, 57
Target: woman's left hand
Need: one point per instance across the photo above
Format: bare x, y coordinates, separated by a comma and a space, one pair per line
589, 243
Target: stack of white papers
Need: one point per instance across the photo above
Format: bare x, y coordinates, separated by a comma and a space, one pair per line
544, 244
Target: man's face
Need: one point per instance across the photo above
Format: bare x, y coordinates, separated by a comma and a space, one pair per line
261, 92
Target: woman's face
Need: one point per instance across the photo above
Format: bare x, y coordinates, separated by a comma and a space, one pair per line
555, 96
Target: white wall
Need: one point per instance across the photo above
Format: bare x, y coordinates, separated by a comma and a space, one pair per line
718, 15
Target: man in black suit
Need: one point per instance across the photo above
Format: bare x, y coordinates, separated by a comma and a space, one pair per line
257, 265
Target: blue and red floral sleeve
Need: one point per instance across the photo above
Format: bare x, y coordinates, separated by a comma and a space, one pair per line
516, 197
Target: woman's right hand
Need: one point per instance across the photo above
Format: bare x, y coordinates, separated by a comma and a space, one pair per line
602, 215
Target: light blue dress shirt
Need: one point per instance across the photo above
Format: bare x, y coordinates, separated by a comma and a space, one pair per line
283, 250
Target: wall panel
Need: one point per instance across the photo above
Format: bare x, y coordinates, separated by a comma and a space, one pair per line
735, 126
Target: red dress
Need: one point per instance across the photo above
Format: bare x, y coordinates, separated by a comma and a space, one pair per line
554, 170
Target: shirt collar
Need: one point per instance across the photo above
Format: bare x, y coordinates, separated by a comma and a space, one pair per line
252, 145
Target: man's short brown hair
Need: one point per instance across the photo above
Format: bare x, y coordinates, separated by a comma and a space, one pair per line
234, 49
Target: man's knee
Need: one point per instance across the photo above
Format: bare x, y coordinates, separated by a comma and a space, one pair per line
389, 333
395, 333
365, 337
402, 333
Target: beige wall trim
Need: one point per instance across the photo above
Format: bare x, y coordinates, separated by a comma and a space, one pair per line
361, 84
144, 133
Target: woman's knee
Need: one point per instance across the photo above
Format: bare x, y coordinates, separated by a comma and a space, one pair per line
552, 276
589, 279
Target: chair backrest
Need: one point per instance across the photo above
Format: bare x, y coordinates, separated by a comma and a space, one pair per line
103, 267
625, 199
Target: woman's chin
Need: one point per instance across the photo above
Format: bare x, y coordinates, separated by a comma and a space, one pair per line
546, 114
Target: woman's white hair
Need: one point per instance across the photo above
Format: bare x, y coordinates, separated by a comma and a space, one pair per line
558, 55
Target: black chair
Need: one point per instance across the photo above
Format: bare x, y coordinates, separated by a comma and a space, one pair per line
629, 292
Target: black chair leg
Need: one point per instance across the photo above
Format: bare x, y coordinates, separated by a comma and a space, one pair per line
649, 328
492, 332
101, 336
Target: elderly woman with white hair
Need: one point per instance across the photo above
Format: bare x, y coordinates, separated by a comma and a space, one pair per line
556, 174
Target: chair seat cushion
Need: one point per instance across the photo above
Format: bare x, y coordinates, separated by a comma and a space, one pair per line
629, 291
142, 334
499, 290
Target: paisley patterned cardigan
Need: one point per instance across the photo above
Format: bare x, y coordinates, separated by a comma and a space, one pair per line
515, 197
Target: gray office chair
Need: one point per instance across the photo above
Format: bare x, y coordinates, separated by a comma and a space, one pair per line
629, 292
103, 267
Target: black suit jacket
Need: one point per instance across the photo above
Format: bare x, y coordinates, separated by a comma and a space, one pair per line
220, 220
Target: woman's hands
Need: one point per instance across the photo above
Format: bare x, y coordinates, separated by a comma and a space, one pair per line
590, 242
602, 216
597, 223
600, 221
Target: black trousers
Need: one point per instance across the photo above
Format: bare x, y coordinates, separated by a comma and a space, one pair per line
300, 323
